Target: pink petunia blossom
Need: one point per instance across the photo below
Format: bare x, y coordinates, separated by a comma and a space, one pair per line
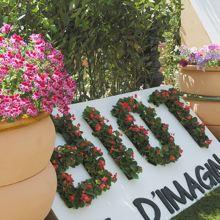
6, 28
33, 78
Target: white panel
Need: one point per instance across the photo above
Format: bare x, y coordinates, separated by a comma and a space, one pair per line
117, 203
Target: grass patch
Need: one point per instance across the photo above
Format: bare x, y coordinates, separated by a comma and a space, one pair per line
208, 208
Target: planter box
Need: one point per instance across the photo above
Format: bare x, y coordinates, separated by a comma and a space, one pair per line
199, 82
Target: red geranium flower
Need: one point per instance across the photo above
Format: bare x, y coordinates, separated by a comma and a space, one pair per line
86, 198
71, 198
98, 127
129, 118
102, 186
89, 186
67, 177
101, 164
172, 158
208, 142
110, 131
125, 105
104, 179
91, 115
96, 149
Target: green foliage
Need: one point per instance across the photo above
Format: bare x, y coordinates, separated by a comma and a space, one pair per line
110, 46
207, 208
172, 38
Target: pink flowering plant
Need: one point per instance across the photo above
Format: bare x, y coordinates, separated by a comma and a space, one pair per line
207, 56
32, 77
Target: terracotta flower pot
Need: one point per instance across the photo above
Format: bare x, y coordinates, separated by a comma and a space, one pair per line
206, 83
30, 199
208, 111
25, 148
215, 130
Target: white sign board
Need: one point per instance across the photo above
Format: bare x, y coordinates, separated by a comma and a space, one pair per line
117, 203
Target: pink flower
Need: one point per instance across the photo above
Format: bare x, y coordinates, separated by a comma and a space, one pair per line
32, 110
25, 86
6, 28
3, 71
36, 38
104, 179
36, 71
16, 38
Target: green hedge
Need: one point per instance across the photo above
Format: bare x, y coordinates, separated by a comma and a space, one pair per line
110, 46
172, 39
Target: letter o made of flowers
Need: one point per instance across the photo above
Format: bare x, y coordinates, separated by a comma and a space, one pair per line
138, 135
91, 157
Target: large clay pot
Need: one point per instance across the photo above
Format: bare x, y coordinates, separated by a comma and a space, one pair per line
25, 148
203, 83
208, 111
30, 199
199, 82
215, 130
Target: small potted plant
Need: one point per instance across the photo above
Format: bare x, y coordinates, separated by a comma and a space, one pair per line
199, 78
33, 81
199, 70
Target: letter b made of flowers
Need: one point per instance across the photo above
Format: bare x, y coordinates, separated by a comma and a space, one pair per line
79, 151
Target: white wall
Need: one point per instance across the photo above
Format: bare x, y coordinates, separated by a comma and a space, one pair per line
209, 13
